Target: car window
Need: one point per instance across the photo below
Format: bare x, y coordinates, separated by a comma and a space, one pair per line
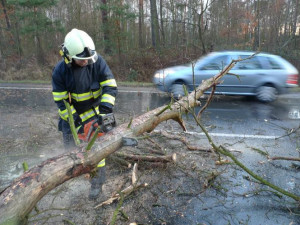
217, 63
248, 64
273, 64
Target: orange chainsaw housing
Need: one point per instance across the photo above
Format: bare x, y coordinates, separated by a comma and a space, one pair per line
89, 130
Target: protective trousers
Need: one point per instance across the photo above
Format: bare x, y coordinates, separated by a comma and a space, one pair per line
68, 139
98, 180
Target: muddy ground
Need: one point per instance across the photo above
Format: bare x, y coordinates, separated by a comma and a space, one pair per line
29, 134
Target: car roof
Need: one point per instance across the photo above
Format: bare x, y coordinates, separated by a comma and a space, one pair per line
234, 52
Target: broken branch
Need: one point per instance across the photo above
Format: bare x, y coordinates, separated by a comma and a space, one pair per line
127, 191
284, 158
183, 140
167, 158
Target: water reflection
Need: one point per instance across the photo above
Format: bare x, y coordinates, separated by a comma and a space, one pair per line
294, 113
239, 108
136, 103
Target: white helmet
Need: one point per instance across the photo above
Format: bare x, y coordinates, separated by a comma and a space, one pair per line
79, 45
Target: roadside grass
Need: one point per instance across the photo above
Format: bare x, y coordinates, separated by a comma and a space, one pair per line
26, 81
295, 89
120, 83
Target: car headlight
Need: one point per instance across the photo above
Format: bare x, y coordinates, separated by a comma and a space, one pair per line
160, 75
163, 73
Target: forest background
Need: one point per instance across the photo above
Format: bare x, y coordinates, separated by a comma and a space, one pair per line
137, 37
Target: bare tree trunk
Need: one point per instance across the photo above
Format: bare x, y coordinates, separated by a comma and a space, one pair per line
162, 22
105, 27
294, 31
5, 14
141, 23
256, 42
154, 24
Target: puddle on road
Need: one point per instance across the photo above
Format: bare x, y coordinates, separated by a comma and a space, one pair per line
294, 113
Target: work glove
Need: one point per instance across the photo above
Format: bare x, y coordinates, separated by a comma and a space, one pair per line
77, 122
77, 119
104, 109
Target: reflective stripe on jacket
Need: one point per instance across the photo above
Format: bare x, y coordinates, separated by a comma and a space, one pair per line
88, 86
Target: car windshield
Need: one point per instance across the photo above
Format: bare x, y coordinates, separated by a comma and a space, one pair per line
214, 63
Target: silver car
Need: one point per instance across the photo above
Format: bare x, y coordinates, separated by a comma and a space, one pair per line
264, 75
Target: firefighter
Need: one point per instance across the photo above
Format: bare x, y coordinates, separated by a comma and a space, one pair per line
83, 79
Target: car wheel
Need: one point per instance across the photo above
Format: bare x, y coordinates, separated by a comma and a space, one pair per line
177, 91
266, 93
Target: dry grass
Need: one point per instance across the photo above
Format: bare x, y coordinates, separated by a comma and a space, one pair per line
132, 66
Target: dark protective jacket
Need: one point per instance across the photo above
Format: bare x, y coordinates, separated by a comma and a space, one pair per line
88, 89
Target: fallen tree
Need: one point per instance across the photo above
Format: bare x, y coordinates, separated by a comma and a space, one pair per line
18, 200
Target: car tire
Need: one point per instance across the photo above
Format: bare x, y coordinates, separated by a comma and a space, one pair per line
266, 93
177, 91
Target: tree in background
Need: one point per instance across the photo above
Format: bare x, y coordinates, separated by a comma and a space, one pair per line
105, 27
141, 24
154, 24
33, 26
146, 35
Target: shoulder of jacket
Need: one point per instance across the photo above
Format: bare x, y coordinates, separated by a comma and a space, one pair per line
100, 60
60, 67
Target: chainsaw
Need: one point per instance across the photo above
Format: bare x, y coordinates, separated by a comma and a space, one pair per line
105, 122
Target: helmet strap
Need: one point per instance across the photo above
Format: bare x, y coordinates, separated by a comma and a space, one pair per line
64, 53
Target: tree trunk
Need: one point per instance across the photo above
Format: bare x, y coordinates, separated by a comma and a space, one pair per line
163, 39
141, 23
106, 37
5, 14
17, 201
256, 42
154, 24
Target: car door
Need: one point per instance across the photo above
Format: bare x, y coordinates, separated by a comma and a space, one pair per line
248, 73
210, 68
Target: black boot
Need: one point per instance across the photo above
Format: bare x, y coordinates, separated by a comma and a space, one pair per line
69, 142
97, 182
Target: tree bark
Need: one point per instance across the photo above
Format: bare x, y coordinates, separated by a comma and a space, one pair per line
3, 3
141, 23
17, 201
154, 24
106, 36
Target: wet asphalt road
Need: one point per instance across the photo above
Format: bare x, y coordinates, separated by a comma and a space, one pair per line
238, 123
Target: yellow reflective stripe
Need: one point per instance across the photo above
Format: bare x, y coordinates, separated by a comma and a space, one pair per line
108, 98
64, 113
96, 94
82, 97
101, 163
110, 83
58, 96
88, 114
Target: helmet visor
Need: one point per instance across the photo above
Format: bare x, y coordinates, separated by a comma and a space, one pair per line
87, 54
